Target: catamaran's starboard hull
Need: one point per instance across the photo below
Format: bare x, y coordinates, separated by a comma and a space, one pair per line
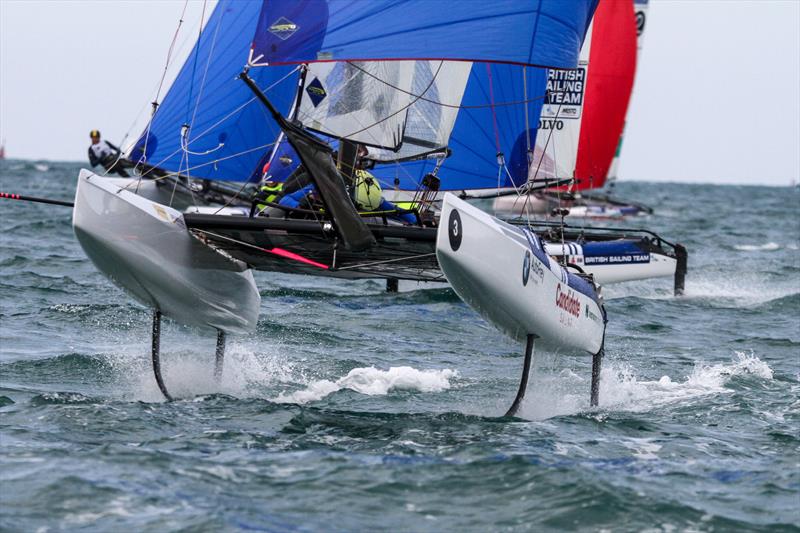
145, 248
505, 275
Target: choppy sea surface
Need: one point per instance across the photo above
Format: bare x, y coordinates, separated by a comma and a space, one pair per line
350, 409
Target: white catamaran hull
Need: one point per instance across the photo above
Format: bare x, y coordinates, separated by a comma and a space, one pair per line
494, 268
615, 267
145, 248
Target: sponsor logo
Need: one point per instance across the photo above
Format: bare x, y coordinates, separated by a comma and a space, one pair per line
538, 270
568, 301
591, 315
526, 268
316, 92
283, 28
616, 259
454, 230
550, 124
564, 94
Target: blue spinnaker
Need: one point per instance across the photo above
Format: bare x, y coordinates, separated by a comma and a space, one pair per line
230, 133
546, 33
492, 121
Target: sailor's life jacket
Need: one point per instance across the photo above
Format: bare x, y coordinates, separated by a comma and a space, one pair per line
369, 198
103, 153
367, 192
270, 191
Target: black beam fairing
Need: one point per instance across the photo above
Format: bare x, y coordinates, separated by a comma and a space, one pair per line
316, 157
301, 227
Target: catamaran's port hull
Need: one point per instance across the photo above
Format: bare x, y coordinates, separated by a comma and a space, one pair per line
493, 268
144, 247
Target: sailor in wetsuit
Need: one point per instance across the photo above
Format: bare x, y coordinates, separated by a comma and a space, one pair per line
106, 154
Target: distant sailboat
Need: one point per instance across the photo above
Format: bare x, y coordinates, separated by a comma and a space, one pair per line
583, 119
2, 149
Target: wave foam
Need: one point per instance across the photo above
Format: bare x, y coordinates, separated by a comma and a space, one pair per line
373, 381
247, 371
725, 291
767, 247
620, 390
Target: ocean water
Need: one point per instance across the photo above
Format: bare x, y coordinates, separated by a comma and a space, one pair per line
350, 409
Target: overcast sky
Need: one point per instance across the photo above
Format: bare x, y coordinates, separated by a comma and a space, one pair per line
717, 97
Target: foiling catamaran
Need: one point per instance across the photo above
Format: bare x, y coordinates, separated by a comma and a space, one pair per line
348, 74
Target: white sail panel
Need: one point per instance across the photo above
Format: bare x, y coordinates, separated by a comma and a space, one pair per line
559, 127
438, 87
366, 102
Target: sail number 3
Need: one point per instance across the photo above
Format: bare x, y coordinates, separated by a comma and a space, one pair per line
454, 230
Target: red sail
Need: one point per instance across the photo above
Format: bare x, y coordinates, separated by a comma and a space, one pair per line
612, 65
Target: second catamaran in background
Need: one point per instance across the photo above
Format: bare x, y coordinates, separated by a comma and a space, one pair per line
586, 112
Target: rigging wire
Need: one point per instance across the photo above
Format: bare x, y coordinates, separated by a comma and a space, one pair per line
127, 134
207, 163
421, 96
209, 129
541, 159
138, 115
187, 128
155, 102
433, 79
527, 122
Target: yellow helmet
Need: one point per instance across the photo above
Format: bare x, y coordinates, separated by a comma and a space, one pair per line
368, 191
94, 134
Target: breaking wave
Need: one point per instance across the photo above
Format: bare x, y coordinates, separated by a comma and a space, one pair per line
567, 393
767, 247
373, 381
745, 290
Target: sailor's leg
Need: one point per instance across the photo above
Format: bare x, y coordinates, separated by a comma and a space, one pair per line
597, 360
156, 353
523, 383
219, 355
392, 285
